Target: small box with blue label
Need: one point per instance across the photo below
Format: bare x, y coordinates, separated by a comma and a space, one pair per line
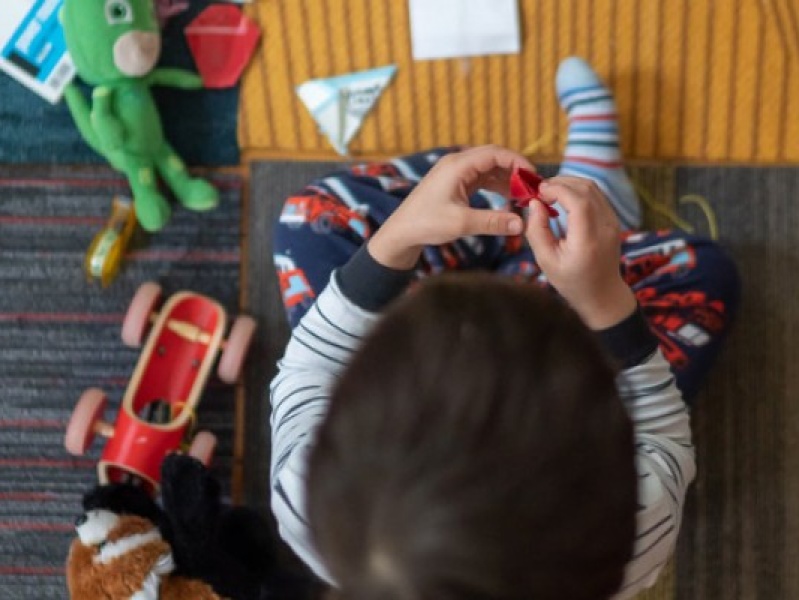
32, 46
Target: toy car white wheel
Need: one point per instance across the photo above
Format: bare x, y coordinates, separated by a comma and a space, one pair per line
203, 446
137, 319
235, 352
86, 415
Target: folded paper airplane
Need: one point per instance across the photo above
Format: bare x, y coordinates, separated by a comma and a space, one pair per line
340, 104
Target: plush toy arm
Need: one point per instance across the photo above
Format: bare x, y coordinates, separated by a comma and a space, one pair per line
104, 123
79, 108
175, 78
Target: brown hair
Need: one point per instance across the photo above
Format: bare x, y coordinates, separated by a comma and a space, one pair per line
476, 447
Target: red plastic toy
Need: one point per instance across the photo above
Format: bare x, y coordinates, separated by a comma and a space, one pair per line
222, 40
524, 186
158, 409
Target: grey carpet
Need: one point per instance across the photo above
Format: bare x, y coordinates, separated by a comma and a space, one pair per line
59, 335
270, 184
740, 537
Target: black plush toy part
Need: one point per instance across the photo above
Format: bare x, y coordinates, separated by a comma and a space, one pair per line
230, 548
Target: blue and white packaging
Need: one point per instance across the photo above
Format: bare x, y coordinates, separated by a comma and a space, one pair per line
340, 104
32, 46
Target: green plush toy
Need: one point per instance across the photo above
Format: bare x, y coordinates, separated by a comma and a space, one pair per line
115, 45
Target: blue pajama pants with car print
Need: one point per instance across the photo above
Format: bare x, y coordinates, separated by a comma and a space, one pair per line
686, 285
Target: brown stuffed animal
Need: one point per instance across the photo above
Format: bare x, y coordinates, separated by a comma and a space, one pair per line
123, 557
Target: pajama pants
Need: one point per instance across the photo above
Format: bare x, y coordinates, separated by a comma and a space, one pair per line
687, 286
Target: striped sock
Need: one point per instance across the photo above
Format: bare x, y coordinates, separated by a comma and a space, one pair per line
592, 148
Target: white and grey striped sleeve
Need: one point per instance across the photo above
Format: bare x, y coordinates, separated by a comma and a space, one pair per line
664, 453
319, 349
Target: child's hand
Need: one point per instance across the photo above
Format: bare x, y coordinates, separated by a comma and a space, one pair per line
583, 267
438, 211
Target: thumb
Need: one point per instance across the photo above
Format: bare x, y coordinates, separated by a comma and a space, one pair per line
540, 236
492, 222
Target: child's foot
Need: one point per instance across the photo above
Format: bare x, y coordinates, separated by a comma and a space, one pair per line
193, 193
197, 194
152, 209
592, 148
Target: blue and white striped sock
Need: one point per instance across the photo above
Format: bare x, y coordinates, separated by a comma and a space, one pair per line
592, 147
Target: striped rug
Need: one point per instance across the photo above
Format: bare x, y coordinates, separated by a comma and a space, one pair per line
59, 335
695, 80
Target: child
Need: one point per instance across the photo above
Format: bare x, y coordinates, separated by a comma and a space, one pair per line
484, 438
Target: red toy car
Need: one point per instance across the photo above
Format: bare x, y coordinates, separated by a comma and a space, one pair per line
323, 214
158, 409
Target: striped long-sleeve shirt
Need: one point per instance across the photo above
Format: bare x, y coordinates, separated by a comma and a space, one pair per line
344, 312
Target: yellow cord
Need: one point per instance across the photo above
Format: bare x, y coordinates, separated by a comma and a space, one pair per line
661, 208
534, 147
704, 205
676, 219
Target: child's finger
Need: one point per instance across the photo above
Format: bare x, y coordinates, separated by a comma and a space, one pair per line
562, 189
491, 222
542, 240
471, 164
566, 191
497, 180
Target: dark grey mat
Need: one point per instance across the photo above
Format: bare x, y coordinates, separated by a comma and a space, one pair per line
270, 184
59, 335
740, 536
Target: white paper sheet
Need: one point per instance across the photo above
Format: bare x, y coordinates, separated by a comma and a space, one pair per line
453, 28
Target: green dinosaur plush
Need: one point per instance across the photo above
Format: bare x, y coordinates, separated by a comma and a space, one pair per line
115, 45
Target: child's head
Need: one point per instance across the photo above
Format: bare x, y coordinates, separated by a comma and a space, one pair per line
476, 447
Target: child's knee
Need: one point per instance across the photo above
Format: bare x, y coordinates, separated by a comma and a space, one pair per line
718, 272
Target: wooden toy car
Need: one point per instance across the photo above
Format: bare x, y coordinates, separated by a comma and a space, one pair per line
157, 411
107, 249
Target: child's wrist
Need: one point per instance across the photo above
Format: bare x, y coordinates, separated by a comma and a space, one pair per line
391, 252
608, 307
